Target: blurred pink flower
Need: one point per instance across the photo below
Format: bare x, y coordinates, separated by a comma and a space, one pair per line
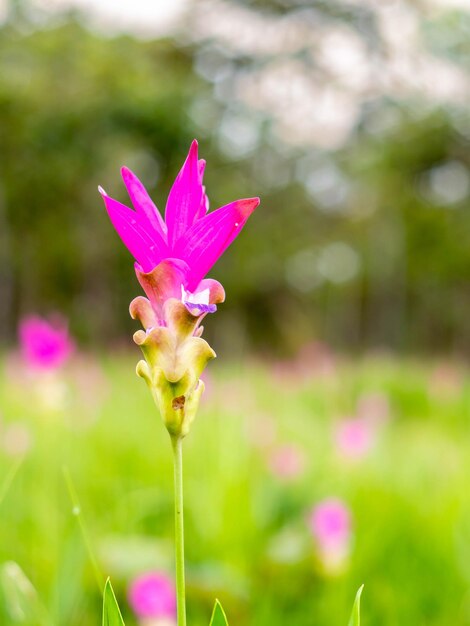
354, 437
314, 361
287, 461
152, 596
374, 407
183, 247
44, 345
330, 523
319, 358
446, 380
331, 526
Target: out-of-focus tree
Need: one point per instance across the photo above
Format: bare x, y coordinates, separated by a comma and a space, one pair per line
73, 108
355, 116
349, 119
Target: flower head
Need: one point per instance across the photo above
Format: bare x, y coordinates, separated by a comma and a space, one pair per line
152, 596
330, 523
173, 255
44, 345
374, 407
354, 437
287, 462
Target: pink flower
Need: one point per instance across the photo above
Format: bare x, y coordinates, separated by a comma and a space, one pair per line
330, 523
287, 462
446, 380
186, 244
152, 596
354, 437
44, 345
374, 407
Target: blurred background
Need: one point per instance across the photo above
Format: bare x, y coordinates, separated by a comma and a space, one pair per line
336, 422
350, 120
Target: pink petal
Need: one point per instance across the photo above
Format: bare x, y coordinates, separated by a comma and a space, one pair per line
163, 282
185, 197
152, 596
142, 202
204, 207
45, 345
201, 164
210, 236
216, 291
330, 522
147, 249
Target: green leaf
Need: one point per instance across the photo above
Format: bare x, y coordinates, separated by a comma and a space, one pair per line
111, 613
355, 619
218, 616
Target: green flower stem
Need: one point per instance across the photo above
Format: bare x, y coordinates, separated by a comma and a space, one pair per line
177, 443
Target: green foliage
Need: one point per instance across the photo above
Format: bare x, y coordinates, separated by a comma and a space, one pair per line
218, 616
355, 619
74, 107
247, 536
111, 613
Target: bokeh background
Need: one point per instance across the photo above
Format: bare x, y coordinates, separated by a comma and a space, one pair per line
347, 299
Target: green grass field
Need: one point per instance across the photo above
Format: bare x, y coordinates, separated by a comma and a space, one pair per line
247, 538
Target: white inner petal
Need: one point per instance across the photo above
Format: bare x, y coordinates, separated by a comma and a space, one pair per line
202, 297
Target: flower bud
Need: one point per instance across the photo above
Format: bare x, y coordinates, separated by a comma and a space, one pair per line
175, 357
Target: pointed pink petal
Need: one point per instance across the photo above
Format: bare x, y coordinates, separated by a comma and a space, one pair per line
142, 202
147, 249
201, 164
184, 199
204, 206
210, 236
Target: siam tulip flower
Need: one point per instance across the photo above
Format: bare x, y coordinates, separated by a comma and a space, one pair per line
354, 437
446, 381
45, 346
287, 462
152, 597
173, 255
319, 359
172, 258
374, 407
330, 523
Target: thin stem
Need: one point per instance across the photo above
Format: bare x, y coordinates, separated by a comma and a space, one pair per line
177, 443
